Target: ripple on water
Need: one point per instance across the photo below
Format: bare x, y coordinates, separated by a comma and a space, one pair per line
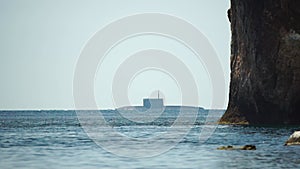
56, 140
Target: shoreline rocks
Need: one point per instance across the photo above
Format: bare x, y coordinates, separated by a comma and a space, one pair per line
294, 139
246, 147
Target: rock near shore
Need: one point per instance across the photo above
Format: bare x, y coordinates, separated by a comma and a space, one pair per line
294, 139
265, 62
246, 147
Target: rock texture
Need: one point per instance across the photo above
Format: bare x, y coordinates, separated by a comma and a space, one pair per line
294, 139
265, 62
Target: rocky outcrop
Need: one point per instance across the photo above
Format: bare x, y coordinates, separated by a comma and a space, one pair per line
246, 147
265, 62
294, 139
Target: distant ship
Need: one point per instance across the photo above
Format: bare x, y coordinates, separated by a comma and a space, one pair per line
155, 104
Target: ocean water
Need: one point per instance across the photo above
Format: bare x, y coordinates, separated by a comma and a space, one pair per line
55, 139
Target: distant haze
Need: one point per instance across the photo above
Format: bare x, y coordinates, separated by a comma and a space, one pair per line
41, 41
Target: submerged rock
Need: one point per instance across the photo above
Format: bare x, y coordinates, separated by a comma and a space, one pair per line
246, 147
265, 62
294, 139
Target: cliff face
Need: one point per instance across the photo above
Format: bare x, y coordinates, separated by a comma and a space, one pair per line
265, 62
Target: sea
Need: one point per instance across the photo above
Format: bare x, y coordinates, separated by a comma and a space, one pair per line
59, 139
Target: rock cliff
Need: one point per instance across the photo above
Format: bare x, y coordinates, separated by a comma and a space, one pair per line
265, 62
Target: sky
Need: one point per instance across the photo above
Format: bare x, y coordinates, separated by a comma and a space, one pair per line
41, 41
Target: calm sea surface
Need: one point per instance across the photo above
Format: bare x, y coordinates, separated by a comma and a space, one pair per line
55, 139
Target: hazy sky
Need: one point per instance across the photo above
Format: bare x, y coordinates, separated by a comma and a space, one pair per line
41, 41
